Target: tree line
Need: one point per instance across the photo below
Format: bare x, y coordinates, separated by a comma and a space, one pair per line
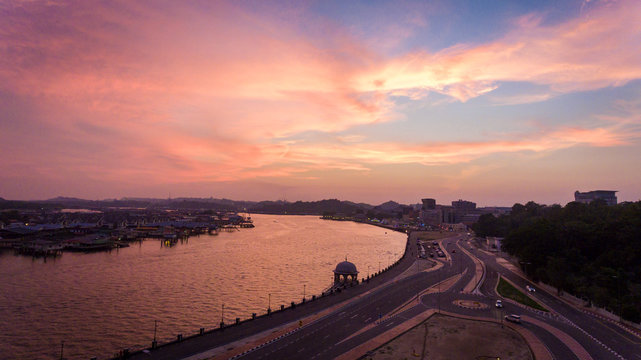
592, 251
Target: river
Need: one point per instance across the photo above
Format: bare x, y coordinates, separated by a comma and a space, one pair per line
100, 303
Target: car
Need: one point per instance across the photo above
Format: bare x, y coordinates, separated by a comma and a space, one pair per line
453, 251
530, 289
499, 303
513, 318
434, 243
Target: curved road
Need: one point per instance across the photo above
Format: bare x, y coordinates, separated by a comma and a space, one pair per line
364, 317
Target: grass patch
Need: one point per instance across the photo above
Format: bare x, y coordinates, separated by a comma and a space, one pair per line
433, 235
507, 290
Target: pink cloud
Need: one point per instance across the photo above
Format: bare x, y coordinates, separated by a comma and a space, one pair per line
371, 154
130, 92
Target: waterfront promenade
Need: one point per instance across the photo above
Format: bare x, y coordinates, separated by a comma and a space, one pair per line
197, 343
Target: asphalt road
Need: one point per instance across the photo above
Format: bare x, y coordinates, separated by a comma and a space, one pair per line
361, 320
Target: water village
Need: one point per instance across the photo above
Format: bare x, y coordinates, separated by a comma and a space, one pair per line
48, 233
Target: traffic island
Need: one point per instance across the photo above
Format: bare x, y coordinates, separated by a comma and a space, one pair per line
471, 304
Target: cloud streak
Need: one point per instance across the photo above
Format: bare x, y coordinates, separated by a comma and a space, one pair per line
600, 49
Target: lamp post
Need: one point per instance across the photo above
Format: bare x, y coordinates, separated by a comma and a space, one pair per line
379, 266
418, 287
155, 329
269, 303
525, 264
222, 315
304, 285
618, 294
368, 271
438, 294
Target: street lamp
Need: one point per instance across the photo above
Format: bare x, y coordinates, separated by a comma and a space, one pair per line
222, 314
438, 294
418, 287
619, 294
304, 285
525, 264
368, 271
269, 303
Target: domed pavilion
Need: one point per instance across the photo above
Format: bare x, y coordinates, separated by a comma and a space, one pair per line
345, 272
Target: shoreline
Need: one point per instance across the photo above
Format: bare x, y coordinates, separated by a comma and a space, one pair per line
293, 312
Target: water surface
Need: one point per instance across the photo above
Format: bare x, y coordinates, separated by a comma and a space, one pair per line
102, 302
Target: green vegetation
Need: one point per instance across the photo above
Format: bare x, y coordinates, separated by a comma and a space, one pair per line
592, 251
507, 290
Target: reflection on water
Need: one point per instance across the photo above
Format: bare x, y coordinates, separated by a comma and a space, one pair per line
102, 302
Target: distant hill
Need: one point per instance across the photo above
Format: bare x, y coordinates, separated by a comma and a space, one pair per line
333, 206
321, 207
390, 206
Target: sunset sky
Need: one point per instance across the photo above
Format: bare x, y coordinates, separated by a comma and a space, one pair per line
495, 102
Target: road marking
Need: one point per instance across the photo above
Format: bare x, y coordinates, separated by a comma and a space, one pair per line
354, 316
368, 319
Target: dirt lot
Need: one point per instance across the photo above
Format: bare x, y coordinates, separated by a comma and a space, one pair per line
443, 337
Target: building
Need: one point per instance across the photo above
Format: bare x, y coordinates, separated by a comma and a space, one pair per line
608, 196
428, 204
432, 217
463, 205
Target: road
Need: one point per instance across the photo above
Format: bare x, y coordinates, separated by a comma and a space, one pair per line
566, 332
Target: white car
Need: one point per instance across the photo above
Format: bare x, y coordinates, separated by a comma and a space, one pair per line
499, 303
513, 318
530, 289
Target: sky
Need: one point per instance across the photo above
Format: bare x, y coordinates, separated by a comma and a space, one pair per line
494, 102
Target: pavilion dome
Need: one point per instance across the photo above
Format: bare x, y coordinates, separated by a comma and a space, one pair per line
346, 268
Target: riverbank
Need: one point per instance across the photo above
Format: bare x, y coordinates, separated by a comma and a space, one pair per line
229, 333
100, 303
